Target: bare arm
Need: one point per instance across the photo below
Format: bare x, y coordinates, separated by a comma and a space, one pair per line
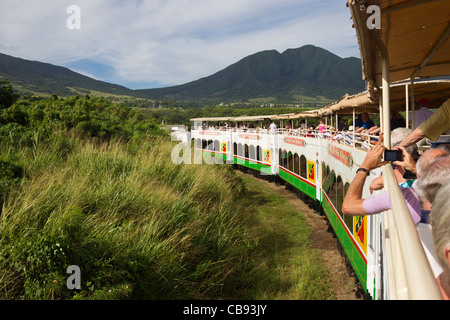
412, 138
353, 204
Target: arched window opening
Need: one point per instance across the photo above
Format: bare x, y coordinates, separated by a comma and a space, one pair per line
296, 164
252, 154
303, 166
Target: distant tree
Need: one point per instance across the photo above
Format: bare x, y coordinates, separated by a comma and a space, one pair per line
7, 95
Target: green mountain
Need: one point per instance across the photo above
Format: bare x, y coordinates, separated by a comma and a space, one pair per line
33, 77
308, 72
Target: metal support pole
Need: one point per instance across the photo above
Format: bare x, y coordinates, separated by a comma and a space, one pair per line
413, 126
386, 100
407, 105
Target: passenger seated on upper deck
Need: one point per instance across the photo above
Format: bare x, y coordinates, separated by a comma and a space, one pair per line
353, 204
397, 121
367, 123
432, 128
322, 129
422, 113
358, 122
440, 221
272, 127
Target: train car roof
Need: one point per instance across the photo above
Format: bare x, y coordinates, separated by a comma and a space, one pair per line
436, 91
414, 32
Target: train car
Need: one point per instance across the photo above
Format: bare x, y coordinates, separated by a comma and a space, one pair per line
384, 250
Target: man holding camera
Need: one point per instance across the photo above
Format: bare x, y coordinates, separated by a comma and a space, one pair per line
353, 205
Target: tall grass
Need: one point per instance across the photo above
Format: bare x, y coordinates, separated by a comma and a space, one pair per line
137, 225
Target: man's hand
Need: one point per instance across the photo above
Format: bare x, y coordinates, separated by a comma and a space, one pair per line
408, 162
373, 158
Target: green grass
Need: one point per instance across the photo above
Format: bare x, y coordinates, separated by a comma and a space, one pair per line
287, 267
136, 224
89, 183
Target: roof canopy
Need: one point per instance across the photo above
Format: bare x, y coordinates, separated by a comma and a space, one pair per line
436, 91
212, 119
415, 33
304, 114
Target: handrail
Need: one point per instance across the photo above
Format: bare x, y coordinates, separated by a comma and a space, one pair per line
349, 138
409, 272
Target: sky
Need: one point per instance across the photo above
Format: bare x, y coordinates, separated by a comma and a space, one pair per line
144, 44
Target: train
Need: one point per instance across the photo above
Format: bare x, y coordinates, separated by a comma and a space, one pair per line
322, 165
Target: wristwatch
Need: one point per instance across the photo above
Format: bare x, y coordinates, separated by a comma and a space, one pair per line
365, 170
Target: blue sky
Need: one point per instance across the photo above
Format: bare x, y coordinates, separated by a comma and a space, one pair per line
157, 43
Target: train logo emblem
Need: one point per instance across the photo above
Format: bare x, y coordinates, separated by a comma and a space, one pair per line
223, 147
311, 171
266, 156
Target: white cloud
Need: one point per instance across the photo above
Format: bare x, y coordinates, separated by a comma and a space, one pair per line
170, 41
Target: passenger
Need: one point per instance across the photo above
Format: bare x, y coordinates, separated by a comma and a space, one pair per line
433, 176
358, 122
353, 204
422, 112
400, 134
397, 120
432, 128
401, 174
445, 146
349, 136
428, 186
273, 127
418, 168
338, 136
367, 122
322, 127
440, 221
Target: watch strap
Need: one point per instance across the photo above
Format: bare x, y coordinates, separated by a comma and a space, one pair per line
365, 170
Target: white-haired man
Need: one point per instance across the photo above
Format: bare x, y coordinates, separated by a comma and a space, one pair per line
440, 220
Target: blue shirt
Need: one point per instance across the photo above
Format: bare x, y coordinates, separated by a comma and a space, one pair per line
359, 123
368, 124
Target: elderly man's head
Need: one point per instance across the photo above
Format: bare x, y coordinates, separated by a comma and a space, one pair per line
398, 135
440, 220
427, 158
433, 177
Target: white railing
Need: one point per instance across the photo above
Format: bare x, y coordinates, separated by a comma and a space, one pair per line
409, 275
349, 138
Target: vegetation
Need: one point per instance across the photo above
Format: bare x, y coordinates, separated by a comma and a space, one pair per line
286, 267
87, 182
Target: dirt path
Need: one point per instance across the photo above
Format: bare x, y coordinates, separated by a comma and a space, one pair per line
341, 282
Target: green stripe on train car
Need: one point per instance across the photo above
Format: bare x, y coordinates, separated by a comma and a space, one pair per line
253, 164
298, 183
357, 261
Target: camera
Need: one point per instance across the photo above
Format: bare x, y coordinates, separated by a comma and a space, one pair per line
393, 155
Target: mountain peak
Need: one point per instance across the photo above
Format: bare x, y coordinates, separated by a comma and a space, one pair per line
306, 71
